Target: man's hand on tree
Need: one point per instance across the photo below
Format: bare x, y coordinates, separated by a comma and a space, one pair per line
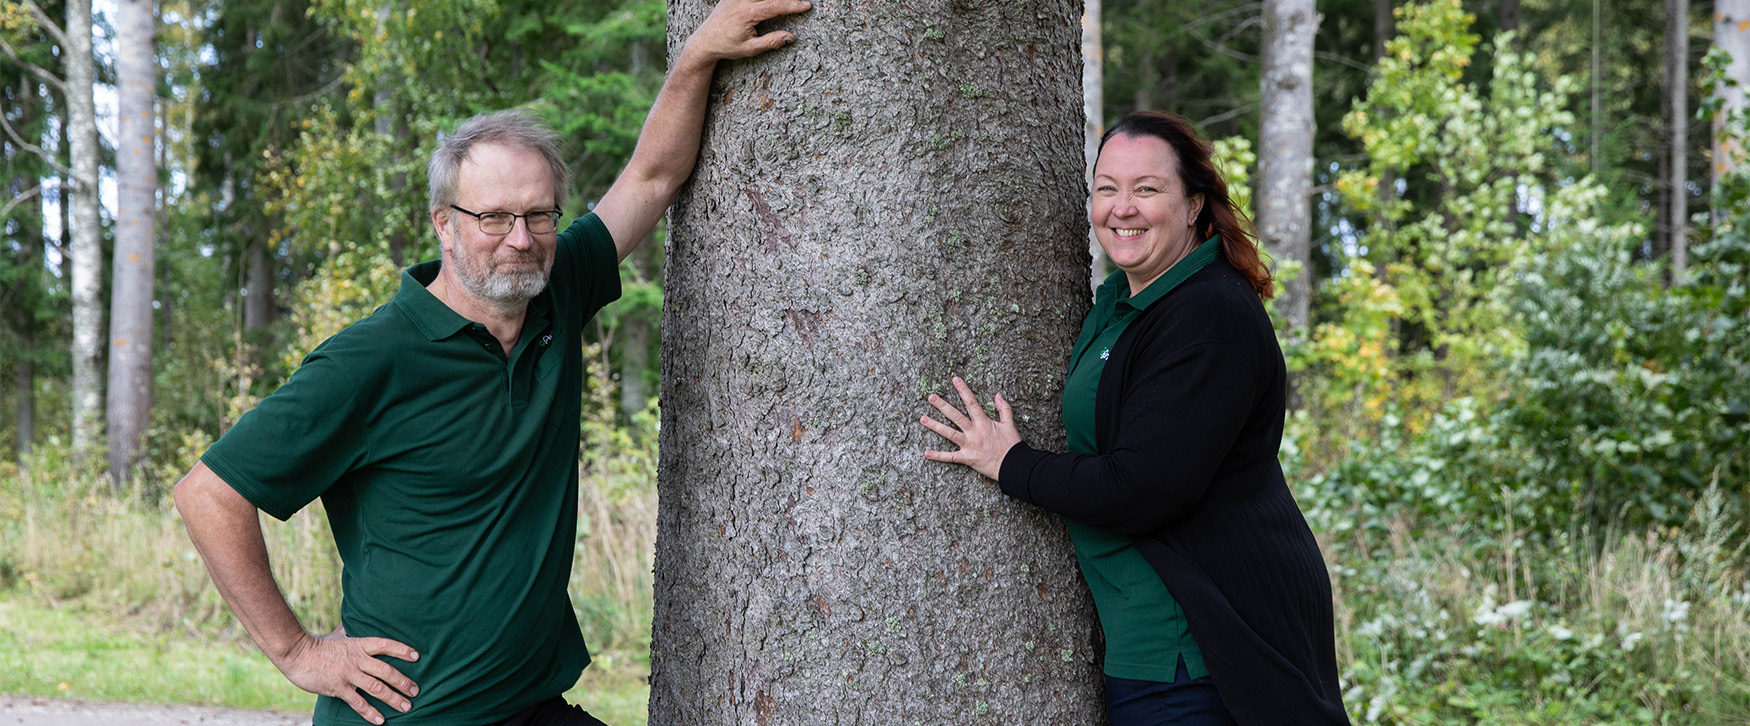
338, 666
730, 32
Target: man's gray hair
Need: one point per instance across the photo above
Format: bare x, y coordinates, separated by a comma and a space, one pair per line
517, 128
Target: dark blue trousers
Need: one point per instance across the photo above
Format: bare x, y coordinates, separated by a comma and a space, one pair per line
1186, 701
551, 712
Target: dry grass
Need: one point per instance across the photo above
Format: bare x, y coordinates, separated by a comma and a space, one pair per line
70, 541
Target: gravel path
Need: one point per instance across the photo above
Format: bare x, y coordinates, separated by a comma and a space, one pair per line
20, 711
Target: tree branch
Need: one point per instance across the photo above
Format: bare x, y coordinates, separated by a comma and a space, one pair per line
1341, 60
32, 148
1236, 111
34, 69
48, 24
22, 198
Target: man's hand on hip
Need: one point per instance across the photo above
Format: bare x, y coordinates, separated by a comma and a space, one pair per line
338, 666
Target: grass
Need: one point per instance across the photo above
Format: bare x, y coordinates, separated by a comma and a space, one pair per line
101, 592
71, 653
74, 653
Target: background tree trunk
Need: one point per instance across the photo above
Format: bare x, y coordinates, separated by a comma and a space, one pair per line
131, 293
258, 301
894, 200
1677, 110
1597, 87
1093, 119
634, 341
1285, 149
24, 295
1731, 34
86, 226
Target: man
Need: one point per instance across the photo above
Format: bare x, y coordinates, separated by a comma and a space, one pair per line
442, 431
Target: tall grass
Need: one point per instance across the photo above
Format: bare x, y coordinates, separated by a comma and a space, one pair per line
70, 539
1440, 623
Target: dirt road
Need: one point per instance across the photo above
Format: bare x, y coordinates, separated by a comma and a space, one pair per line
20, 711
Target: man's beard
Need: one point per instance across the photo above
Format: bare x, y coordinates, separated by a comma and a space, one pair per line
481, 277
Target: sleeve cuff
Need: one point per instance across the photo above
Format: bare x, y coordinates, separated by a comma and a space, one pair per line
1015, 477
246, 487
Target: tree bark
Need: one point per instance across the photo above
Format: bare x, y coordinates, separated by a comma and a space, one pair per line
634, 342
894, 200
1093, 119
258, 304
1731, 34
1509, 19
86, 226
26, 295
1285, 148
1677, 110
131, 284
1597, 84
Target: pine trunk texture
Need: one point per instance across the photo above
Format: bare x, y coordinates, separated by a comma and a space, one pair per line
1285, 149
26, 293
132, 275
1731, 34
258, 302
1093, 119
894, 200
1677, 110
86, 227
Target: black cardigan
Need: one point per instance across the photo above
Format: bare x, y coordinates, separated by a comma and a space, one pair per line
1188, 420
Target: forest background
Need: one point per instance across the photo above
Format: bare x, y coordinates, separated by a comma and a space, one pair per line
1522, 398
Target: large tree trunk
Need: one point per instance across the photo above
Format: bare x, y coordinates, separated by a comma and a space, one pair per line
1093, 118
1677, 110
86, 226
1285, 148
131, 319
892, 201
1731, 34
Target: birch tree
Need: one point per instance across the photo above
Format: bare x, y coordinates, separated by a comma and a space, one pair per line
130, 332
1731, 35
892, 201
1677, 111
81, 220
1285, 149
86, 223
1093, 116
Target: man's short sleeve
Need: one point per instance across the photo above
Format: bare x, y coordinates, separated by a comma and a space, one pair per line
587, 256
297, 442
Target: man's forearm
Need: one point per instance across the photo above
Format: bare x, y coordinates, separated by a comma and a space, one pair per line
227, 532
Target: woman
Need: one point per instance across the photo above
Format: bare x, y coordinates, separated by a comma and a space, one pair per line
1214, 600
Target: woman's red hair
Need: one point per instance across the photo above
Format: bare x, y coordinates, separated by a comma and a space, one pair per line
1197, 173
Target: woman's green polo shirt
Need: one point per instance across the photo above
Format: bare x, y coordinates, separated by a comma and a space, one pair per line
1146, 631
449, 474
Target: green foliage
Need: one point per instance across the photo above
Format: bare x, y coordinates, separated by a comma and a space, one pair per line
1443, 627
1445, 266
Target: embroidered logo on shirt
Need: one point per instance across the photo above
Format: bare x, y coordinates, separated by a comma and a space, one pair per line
548, 338
1105, 353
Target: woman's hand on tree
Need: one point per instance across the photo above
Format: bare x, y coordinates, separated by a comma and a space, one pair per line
983, 442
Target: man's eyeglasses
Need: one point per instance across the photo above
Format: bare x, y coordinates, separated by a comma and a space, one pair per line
497, 223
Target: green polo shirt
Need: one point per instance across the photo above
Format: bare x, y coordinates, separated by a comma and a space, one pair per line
1146, 631
449, 474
